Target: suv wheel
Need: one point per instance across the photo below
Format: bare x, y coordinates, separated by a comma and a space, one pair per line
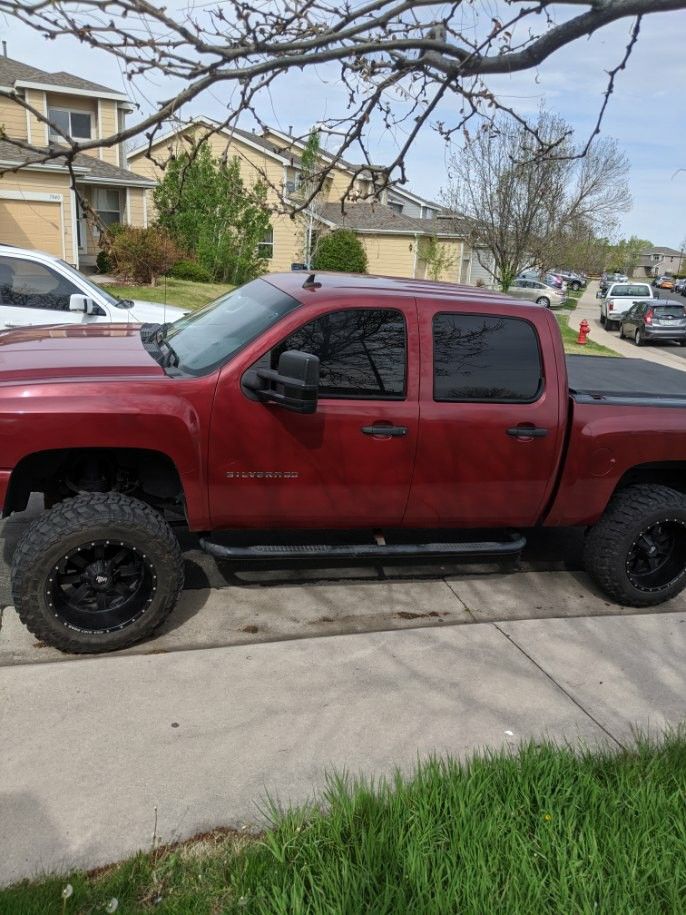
637, 551
543, 301
96, 573
575, 287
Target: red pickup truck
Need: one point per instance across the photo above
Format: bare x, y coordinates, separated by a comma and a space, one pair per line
391, 417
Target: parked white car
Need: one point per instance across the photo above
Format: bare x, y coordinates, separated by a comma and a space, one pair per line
618, 299
38, 288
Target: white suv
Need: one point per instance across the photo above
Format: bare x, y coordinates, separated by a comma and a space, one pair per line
37, 288
618, 299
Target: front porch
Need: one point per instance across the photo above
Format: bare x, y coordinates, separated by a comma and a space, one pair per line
107, 204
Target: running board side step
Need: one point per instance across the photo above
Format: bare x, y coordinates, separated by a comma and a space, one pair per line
469, 550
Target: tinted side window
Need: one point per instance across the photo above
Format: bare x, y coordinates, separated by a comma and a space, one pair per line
27, 284
362, 352
485, 358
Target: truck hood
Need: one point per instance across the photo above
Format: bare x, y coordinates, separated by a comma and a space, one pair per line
65, 352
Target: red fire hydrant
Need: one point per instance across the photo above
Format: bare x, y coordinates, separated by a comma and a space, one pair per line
584, 330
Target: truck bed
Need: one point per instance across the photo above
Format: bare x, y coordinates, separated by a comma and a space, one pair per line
605, 379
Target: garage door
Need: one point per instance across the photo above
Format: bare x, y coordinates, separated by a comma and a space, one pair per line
32, 224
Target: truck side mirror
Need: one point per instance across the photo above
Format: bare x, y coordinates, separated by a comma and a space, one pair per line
293, 385
599, 295
84, 304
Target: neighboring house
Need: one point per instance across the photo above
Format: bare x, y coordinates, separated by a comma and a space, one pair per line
656, 261
397, 242
38, 208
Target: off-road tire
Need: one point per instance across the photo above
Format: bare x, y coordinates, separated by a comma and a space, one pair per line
603, 319
609, 542
76, 522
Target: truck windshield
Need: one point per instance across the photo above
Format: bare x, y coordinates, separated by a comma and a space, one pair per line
205, 339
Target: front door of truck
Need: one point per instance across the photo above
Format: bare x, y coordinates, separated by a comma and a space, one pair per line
491, 428
347, 465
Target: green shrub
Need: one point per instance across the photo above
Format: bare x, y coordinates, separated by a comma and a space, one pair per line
104, 262
340, 250
142, 255
214, 216
190, 270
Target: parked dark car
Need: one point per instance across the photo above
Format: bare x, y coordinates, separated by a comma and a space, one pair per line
574, 281
608, 278
680, 286
661, 319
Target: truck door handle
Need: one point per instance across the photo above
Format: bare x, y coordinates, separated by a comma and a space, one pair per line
527, 432
391, 431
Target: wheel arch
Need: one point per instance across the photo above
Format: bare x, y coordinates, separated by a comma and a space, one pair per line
664, 473
37, 472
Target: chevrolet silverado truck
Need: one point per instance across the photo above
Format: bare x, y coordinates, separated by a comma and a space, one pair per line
364, 417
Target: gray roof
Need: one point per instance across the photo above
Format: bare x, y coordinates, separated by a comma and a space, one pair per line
94, 168
670, 252
12, 71
377, 217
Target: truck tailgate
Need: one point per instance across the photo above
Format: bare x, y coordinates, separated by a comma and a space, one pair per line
606, 379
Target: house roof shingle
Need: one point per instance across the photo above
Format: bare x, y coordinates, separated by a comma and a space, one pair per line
377, 217
91, 167
13, 71
669, 252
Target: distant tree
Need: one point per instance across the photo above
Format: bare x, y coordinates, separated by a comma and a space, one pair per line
623, 257
310, 165
438, 258
205, 205
341, 250
518, 202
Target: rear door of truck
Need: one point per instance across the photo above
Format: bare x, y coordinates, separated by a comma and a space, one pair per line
493, 401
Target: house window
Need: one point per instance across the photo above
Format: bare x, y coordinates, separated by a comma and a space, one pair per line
396, 207
108, 205
266, 247
74, 124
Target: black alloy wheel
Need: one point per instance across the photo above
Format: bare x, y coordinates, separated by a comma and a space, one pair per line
103, 586
98, 572
657, 558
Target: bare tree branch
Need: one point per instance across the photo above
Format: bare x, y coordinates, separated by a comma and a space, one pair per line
396, 60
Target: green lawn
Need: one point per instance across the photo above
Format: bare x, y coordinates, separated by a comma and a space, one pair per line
184, 293
569, 338
544, 831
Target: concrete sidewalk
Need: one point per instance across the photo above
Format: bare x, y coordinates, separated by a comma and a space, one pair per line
92, 747
589, 309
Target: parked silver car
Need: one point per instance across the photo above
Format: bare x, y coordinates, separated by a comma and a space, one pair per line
538, 292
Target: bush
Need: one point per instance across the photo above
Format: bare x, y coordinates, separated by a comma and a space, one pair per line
340, 250
142, 255
215, 217
104, 262
190, 270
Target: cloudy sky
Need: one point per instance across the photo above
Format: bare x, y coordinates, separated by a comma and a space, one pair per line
647, 112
